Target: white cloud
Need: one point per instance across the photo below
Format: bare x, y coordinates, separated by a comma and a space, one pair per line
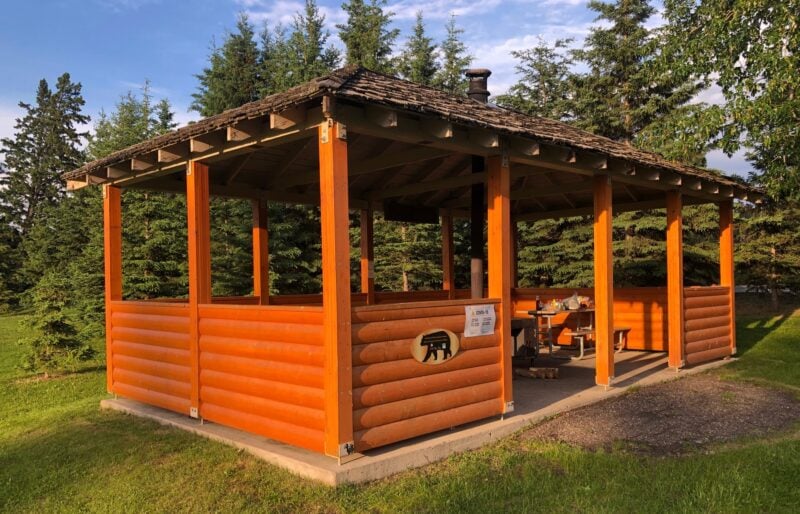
283, 11
733, 165
497, 55
9, 113
440, 9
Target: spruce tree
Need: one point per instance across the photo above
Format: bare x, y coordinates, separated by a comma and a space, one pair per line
418, 60
54, 343
455, 60
543, 88
46, 143
309, 47
367, 36
625, 88
154, 223
231, 78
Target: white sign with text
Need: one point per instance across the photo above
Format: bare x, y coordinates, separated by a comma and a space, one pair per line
480, 320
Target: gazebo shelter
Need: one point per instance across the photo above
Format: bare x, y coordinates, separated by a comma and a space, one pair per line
340, 372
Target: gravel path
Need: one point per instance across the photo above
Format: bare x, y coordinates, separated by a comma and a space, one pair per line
675, 417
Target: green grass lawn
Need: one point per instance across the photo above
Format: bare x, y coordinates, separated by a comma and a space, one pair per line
59, 452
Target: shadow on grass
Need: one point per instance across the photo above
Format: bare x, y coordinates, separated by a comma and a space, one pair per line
756, 320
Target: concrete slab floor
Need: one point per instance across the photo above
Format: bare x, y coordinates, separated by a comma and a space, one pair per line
534, 400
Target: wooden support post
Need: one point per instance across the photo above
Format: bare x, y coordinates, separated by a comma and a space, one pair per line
675, 311
199, 228
368, 255
260, 251
476, 231
338, 377
603, 280
514, 255
112, 246
499, 228
726, 265
448, 257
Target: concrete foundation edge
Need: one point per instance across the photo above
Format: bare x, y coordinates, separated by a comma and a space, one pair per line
413, 454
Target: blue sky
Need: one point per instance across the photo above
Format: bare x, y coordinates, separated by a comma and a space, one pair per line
112, 46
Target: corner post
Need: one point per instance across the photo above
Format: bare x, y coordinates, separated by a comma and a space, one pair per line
675, 307
726, 263
199, 228
499, 239
368, 255
338, 375
603, 280
260, 251
112, 246
448, 256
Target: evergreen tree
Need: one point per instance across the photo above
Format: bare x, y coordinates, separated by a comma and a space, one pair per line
768, 249
154, 223
54, 343
9, 263
367, 36
418, 60
312, 58
46, 143
455, 60
626, 89
543, 88
232, 78
408, 256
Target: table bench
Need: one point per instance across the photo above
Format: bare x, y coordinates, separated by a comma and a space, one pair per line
582, 334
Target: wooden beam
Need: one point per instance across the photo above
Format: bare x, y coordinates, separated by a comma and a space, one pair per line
641, 205
199, 249
603, 280
292, 154
287, 118
525, 147
431, 185
448, 256
381, 116
206, 142
675, 311
382, 162
74, 185
484, 138
260, 251
726, 263
440, 129
367, 255
112, 246
144, 162
237, 168
173, 153
499, 264
334, 214
246, 129
113, 172
225, 151
552, 190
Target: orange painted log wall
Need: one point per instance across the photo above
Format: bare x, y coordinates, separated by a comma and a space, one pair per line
395, 397
707, 323
150, 353
642, 309
261, 370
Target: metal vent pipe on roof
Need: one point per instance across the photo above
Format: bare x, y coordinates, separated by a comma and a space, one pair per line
478, 84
